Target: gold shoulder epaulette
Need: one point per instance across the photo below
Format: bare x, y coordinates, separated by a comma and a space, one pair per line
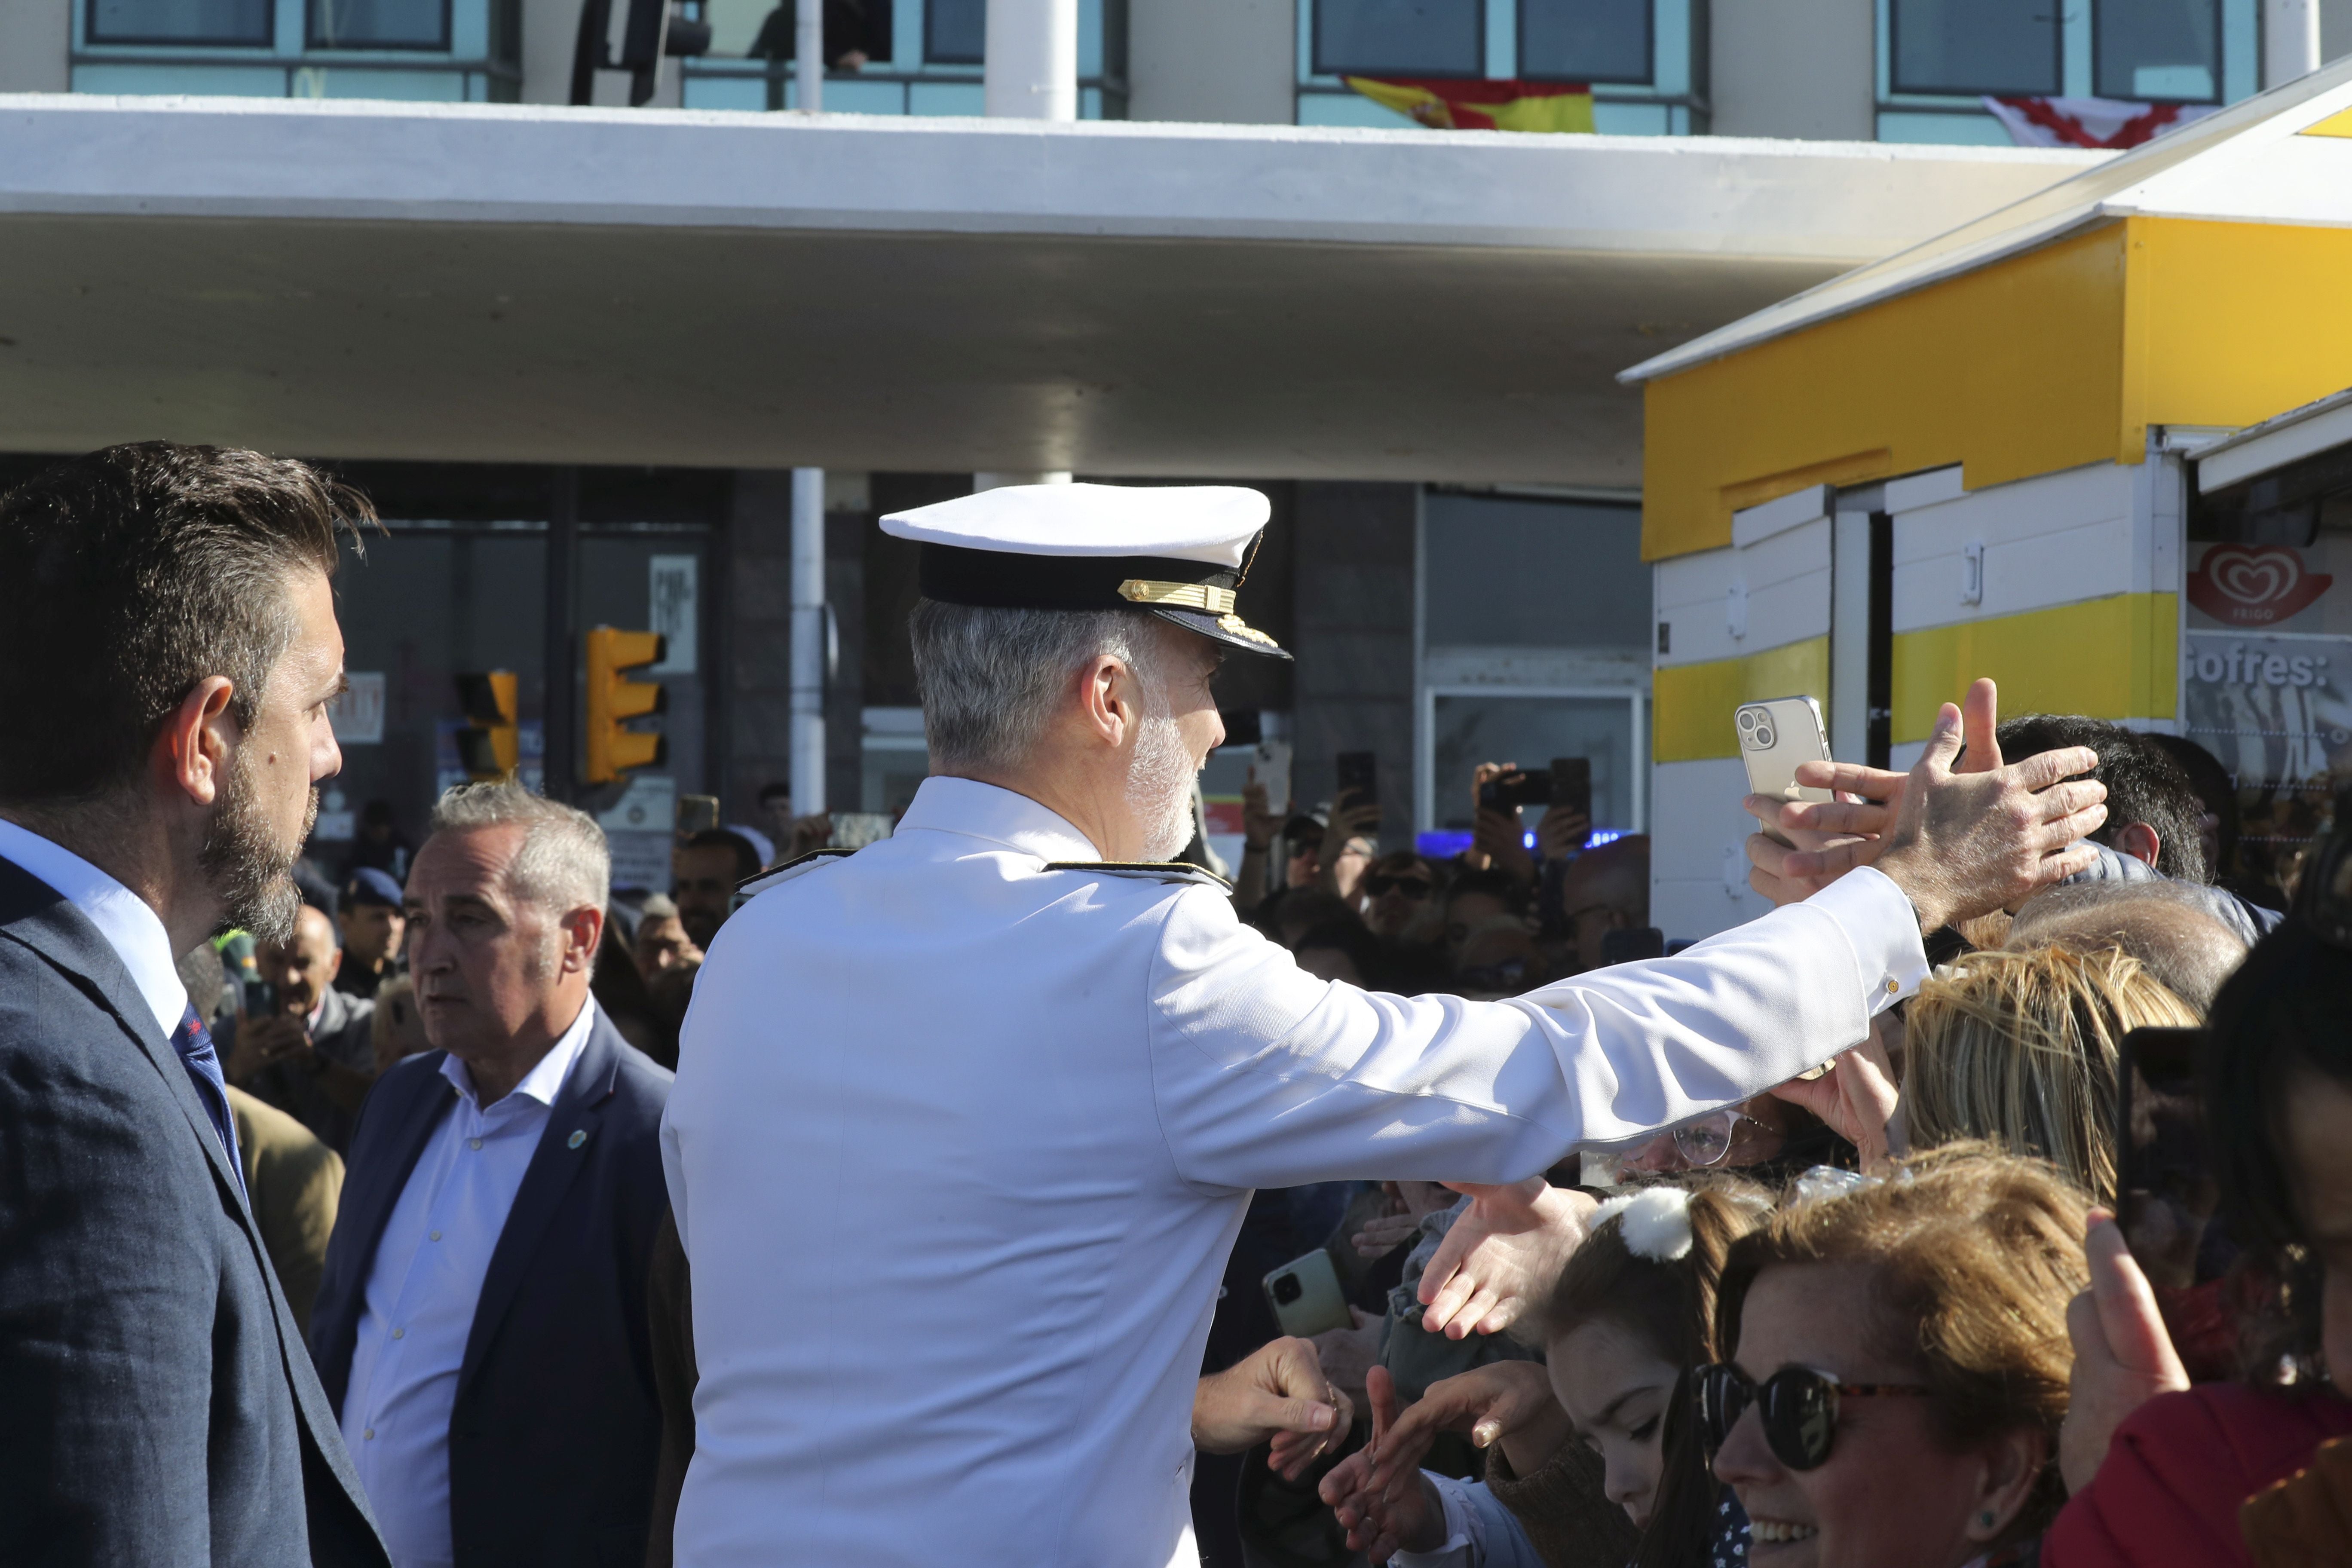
777, 876
1147, 870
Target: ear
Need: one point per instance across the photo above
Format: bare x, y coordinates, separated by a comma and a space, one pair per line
584, 931
2138, 840
335, 965
1107, 699
2012, 1467
190, 754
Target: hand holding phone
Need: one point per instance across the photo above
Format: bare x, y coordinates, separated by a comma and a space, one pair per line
1306, 1296
1775, 736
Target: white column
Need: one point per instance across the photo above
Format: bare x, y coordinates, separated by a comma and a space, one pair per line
2289, 40
808, 75
808, 641
1031, 59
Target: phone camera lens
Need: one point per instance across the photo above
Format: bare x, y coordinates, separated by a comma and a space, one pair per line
1763, 734
1287, 1289
1747, 718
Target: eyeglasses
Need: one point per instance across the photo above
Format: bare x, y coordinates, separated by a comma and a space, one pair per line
1800, 1408
1411, 886
1708, 1141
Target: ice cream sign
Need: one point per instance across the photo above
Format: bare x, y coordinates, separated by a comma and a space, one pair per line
2254, 584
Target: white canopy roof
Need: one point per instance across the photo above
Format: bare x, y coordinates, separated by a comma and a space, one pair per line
524, 283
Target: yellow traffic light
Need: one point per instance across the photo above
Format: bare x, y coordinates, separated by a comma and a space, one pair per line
490, 749
613, 701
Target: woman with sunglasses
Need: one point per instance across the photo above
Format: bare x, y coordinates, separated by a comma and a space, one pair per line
1898, 1367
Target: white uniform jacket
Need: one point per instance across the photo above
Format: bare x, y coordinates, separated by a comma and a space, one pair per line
960, 1143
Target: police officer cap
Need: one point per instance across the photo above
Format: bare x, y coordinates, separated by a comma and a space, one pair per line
370, 886
1180, 551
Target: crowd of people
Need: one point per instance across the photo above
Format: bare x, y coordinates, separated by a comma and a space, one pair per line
2054, 1266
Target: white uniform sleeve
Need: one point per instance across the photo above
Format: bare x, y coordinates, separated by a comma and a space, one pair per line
1480, 1532
1267, 1076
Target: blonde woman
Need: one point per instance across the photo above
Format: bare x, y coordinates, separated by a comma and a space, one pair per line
2019, 1049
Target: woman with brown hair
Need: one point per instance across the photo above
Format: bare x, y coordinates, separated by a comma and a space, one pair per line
1591, 1454
1898, 1367
2018, 1049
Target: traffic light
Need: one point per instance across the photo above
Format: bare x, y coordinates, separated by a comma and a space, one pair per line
491, 746
613, 701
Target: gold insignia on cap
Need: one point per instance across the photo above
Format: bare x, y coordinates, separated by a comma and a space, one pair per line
1179, 595
1241, 628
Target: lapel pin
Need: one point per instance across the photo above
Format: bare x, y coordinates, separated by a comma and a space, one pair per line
579, 1136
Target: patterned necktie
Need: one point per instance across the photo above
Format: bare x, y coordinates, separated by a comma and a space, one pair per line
194, 1044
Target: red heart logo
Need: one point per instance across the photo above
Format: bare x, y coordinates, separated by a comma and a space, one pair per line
2253, 584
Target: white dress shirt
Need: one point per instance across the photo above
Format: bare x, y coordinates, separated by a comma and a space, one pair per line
1027, 1107
422, 1288
128, 922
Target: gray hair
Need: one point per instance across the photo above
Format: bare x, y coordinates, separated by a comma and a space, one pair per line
990, 679
2169, 926
565, 862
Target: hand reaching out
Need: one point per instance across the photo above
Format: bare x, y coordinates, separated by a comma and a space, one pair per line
1857, 1098
1407, 1517
2123, 1357
1503, 1253
1506, 1401
1278, 1393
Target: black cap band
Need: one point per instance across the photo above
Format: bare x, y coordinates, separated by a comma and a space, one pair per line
998, 580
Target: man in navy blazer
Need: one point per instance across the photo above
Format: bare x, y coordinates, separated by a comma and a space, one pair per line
168, 642
481, 1325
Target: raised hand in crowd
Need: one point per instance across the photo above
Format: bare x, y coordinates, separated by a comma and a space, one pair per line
1377, 1490
2123, 1357
1502, 1254
1562, 831
1349, 1355
1857, 1096
1964, 844
810, 834
1408, 1203
1276, 1393
1862, 819
1350, 844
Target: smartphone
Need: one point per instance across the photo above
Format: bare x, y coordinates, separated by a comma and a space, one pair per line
696, 813
1306, 1296
1774, 737
1359, 776
260, 999
1270, 766
2166, 1203
1572, 784
1514, 790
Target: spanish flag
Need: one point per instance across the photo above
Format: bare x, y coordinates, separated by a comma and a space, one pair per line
1453, 104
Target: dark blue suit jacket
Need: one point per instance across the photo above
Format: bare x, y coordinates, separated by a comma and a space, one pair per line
555, 1435
156, 1405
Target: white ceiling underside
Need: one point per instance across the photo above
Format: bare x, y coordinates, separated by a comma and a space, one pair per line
518, 283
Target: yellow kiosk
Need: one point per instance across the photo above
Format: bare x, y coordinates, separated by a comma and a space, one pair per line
1981, 457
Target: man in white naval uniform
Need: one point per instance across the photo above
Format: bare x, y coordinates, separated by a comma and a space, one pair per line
965, 1123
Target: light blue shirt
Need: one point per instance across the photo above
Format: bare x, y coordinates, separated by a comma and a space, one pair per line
421, 1293
128, 922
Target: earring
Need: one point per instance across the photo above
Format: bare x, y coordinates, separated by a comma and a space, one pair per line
1986, 1519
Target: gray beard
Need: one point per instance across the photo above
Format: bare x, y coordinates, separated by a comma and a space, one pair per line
1159, 787
245, 867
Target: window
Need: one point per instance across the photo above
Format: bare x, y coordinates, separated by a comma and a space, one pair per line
1999, 47
379, 24
1585, 40
180, 22
2161, 50
955, 32
1400, 37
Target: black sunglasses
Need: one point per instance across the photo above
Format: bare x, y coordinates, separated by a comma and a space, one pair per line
1411, 886
1800, 1408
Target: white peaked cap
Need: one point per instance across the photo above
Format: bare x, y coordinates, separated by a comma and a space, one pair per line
1212, 524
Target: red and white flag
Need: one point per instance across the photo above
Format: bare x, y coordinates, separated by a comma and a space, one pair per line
2103, 123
